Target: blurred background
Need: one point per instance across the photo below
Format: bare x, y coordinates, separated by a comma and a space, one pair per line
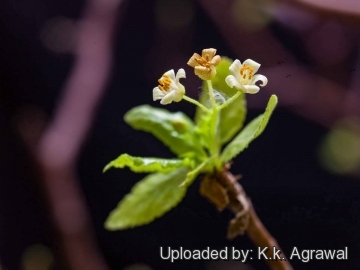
70, 70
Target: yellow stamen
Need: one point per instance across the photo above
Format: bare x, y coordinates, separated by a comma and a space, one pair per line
164, 83
203, 62
246, 71
207, 57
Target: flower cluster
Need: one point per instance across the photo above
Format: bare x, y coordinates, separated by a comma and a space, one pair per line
243, 78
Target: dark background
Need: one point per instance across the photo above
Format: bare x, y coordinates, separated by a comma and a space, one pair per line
300, 202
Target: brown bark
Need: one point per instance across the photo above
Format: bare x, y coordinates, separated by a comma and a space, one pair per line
246, 219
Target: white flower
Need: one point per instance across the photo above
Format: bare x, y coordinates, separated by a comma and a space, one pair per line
244, 77
170, 89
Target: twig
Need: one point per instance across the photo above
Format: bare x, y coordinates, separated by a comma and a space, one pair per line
60, 144
246, 219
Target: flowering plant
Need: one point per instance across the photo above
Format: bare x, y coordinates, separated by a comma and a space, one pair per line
204, 146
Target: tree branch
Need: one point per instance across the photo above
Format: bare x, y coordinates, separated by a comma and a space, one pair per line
246, 219
59, 145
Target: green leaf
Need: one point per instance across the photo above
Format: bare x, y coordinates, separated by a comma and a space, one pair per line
143, 165
149, 199
204, 100
222, 71
233, 116
205, 130
249, 133
232, 119
175, 130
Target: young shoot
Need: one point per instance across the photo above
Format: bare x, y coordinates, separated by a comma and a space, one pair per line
204, 146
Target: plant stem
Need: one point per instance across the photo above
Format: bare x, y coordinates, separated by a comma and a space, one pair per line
193, 173
214, 148
211, 93
193, 101
230, 100
256, 231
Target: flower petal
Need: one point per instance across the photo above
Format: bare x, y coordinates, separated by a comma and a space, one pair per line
158, 94
203, 72
251, 89
253, 64
179, 94
259, 77
168, 98
216, 60
192, 62
235, 69
212, 71
180, 74
231, 82
171, 74
210, 52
